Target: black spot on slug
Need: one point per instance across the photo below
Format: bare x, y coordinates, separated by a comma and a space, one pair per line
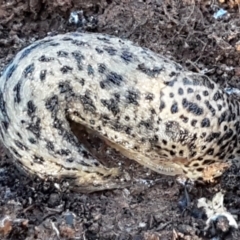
111, 80
187, 81
127, 118
126, 56
19, 135
181, 153
82, 81
87, 103
78, 56
35, 127
16, 153
42, 75
205, 122
52, 103
225, 137
5, 125
198, 97
206, 82
151, 72
98, 50
79, 43
219, 106
193, 122
149, 96
203, 135
65, 69
110, 50
17, 91
92, 122
28, 70
62, 54
112, 105
3, 110
43, 58
20, 145
54, 44
172, 153
103, 39
63, 152
128, 130
67, 39
64, 87
114, 78
223, 117
85, 164
32, 140
210, 107
205, 93
217, 96
38, 159
174, 108
193, 154
184, 119
102, 68
147, 124
70, 160
49, 146
190, 90
212, 136
164, 142
178, 67
90, 70
31, 108
170, 83
162, 105
117, 96
197, 80
192, 107
172, 74
132, 97
180, 91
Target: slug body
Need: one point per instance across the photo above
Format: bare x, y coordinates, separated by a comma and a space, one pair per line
148, 107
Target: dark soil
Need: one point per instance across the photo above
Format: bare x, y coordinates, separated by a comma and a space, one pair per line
155, 208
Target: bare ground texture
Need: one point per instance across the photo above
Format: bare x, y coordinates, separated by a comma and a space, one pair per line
156, 208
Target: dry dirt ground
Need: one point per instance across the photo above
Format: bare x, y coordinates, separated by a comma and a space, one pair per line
185, 31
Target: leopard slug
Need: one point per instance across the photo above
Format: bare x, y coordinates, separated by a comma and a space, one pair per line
146, 106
